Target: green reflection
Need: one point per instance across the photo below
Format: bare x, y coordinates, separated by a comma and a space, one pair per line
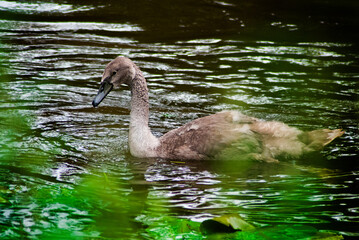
98, 206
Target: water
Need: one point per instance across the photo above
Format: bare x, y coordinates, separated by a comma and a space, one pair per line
65, 169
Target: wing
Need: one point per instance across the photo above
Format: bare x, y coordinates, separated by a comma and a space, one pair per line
205, 137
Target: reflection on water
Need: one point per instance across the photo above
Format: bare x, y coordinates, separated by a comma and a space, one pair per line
31, 8
65, 169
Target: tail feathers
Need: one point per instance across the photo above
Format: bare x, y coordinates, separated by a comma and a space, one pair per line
333, 134
317, 139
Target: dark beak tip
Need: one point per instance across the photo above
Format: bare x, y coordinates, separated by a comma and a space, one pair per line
104, 90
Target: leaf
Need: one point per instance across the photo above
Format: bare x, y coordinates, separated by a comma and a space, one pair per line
225, 224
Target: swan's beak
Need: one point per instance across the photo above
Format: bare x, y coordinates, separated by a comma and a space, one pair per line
105, 88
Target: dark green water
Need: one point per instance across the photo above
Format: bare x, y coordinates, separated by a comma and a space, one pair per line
65, 170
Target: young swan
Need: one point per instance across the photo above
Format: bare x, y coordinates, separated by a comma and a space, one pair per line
224, 135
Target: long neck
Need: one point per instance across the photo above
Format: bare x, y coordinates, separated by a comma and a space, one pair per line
141, 141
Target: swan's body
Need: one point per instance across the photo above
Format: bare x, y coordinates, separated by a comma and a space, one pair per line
225, 135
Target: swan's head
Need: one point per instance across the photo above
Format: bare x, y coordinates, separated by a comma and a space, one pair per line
119, 71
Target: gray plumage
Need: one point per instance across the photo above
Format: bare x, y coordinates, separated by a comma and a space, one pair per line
224, 135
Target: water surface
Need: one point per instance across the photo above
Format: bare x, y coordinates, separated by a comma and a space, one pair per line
65, 168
